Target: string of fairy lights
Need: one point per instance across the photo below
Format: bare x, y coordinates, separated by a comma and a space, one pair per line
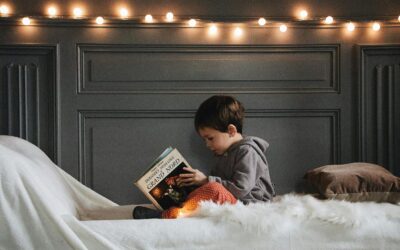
78, 13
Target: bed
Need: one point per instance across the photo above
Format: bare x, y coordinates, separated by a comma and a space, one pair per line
42, 207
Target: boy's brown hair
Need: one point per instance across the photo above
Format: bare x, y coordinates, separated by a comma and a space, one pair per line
218, 112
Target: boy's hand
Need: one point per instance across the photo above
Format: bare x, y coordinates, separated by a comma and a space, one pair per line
194, 177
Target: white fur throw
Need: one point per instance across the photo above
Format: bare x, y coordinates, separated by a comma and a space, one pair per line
293, 211
293, 222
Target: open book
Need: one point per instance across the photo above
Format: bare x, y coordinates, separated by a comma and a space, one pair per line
158, 183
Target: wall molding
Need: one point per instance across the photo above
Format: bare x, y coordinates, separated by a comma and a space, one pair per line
22, 82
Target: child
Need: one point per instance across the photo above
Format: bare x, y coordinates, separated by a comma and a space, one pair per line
242, 169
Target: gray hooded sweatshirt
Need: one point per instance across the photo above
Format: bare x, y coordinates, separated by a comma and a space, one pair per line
243, 170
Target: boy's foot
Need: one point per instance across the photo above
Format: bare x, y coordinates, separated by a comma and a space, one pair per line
140, 212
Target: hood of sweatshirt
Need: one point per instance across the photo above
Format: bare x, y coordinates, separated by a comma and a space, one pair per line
259, 145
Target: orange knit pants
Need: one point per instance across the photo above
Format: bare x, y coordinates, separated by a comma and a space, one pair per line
213, 191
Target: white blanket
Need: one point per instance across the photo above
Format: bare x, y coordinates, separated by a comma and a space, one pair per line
40, 206
35, 195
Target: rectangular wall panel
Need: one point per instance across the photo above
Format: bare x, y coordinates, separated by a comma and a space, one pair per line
117, 146
379, 138
177, 69
28, 85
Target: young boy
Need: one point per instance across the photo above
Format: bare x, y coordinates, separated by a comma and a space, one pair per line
242, 169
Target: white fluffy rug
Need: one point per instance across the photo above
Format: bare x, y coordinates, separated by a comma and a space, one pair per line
293, 222
293, 211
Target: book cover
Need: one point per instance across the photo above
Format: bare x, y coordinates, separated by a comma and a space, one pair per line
158, 182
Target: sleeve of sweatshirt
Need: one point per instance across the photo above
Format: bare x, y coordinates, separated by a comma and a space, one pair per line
244, 177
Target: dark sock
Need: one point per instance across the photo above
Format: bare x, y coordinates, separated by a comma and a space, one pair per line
140, 212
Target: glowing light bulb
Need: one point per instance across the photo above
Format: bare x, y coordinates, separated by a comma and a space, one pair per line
376, 26
170, 16
398, 18
213, 29
148, 18
52, 11
77, 12
4, 10
329, 20
26, 21
99, 20
123, 12
238, 32
350, 26
192, 22
283, 28
262, 21
303, 14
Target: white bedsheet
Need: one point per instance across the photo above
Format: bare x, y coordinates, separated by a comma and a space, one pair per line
40, 206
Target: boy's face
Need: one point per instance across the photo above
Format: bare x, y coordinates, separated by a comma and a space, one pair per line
215, 140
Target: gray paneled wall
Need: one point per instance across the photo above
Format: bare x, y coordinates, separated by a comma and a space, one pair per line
104, 102
186, 69
113, 143
28, 94
310, 137
380, 105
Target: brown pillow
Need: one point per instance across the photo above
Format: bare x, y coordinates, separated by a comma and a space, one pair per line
355, 182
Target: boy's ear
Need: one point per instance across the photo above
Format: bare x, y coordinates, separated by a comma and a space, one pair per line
232, 130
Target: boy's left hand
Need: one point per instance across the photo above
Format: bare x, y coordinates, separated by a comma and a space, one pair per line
194, 177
